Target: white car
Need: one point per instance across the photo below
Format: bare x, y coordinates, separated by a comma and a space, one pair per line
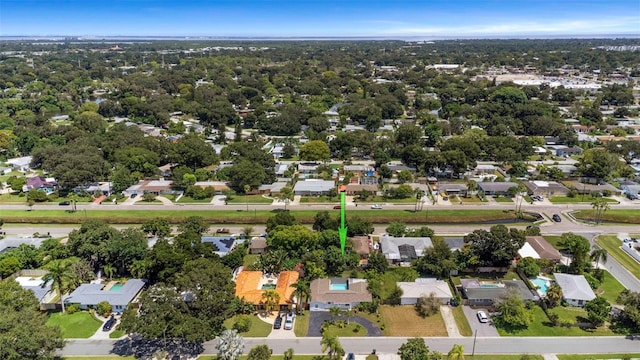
288, 323
482, 316
376, 206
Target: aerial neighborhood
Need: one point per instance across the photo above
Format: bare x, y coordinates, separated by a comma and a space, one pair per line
167, 194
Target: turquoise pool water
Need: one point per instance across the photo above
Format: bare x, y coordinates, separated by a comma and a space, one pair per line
116, 287
338, 286
489, 286
541, 284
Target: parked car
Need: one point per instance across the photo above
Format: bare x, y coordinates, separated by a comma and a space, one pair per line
556, 218
482, 316
336, 207
133, 196
632, 196
277, 324
376, 206
351, 356
109, 324
288, 323
64, 203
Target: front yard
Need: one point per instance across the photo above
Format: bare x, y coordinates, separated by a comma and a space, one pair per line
503, 199
249, 199
541, 326
79, 325
403, 320
578, 199
258, 327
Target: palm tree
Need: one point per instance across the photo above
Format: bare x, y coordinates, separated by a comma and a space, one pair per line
332, 346
108, 270
472, 186
271, 299
335, 312
456, 353
302, 292
60, 274
230, 345
73, 197
247, 231
598, 255
286, 195
600, 205
350, 314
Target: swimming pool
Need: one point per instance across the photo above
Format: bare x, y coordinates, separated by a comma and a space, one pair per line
542, 285
116, 287
342, 286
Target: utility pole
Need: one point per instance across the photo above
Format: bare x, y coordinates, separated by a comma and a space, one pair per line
475, 336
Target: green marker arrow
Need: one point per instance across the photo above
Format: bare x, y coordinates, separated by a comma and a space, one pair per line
342, 230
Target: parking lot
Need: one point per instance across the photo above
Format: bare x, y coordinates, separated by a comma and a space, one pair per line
483, 329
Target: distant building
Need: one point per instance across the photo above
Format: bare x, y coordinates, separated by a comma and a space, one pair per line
223, 244
496, 188
481, 293
22, 164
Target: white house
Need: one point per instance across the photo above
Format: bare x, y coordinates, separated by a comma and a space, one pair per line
117, 295
575, 289
424, 287
22, 164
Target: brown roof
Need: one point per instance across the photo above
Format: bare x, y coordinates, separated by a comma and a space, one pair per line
543, 248
247, 283
356, 292
358, 187
360, 245
258, 243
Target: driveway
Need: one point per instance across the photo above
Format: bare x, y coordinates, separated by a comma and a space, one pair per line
316, 318
485, 330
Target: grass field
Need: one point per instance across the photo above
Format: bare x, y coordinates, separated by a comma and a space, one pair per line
461, 321
80, 325
540, 326
258, 327
301, 324
577, 199
503, 199
347, 331
610, 288
251, 217
188, 199
553, 240
116, 334
597, 356
404, 321
99, 358
627, 216
319, 199
249, 199
612, 244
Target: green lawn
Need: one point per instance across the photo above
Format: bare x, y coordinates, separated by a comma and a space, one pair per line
188, 199
503, 199
347, 331
252, 217
79, 325
11, 198
612, 244
553, 240
116, 334
610, 288
99, 358
381, 199
249, 199
540, 325
461, 321
319, 199
250, 259
626, 216
301, 325
501, 357
597, 356
258, 328
577, 199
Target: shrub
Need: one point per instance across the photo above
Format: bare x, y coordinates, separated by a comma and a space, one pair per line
593, 282
72, 309
104, 308
243, 324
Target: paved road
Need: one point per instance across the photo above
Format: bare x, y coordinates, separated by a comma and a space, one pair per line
487, 329
484, 345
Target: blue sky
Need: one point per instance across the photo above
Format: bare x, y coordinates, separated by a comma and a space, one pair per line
392, 18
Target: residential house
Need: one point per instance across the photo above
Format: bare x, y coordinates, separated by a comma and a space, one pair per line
223, 244
313, 187
258, 245
22, 164
585, 186
484, 169
272, 189
538, 248
360, 170
12, 242
546, 188
166, 170
361, 246
452, 189
307, 168
403, 249
251, 285
424, 287
630, 187
118, 295
48, 185
338, 292
32, 280
565, 151
575, 289
481, 293
354, 189
103, 188
281, 169
156, 187
219, 186
396, 168
496, 188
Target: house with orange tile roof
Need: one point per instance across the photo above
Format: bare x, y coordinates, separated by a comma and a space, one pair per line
251, 285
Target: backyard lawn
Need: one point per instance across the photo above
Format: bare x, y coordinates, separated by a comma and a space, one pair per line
540, 326
80, 325
553, 240
612, 244
405, 321
258, 327
188, 199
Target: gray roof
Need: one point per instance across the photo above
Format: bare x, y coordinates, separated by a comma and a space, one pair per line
496, 186
14, 241
223, 244
479, 291
574, 287
424, 287
92, 294
390, 245
314, 186
356, 291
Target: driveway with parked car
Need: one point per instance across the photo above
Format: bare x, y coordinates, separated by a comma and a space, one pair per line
483, 329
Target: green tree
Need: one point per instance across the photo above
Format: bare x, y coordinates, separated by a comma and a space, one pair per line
415, 349
246, 173
529, 266
579, 247
498, 246
281, 218
315, 150
271, 299
60, 275
427, 305
157, 227
259, 352
513, 312
599, 255
335, 312
194, 224
288, 354
598, 310
286, 195
554, 295
104, 308
600, 206
302, 292
331, 345
377, 262
25, 334
230, 345
456, 353
396, 229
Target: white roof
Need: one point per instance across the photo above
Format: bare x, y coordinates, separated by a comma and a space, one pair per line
540, 183
574, 287
314, 185
528, 251
424, 288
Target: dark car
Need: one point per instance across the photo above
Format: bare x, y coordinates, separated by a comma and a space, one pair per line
277, 324
337, 207
109, 324
351, 356
556, 218
64, 203
133, 196
632, 196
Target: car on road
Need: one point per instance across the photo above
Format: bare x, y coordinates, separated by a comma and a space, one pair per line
277, 324
336, 207
288, 322
556, 218
482, 316
351, 356
64, 203
536, 198
376, 206
632, 196
109, 324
